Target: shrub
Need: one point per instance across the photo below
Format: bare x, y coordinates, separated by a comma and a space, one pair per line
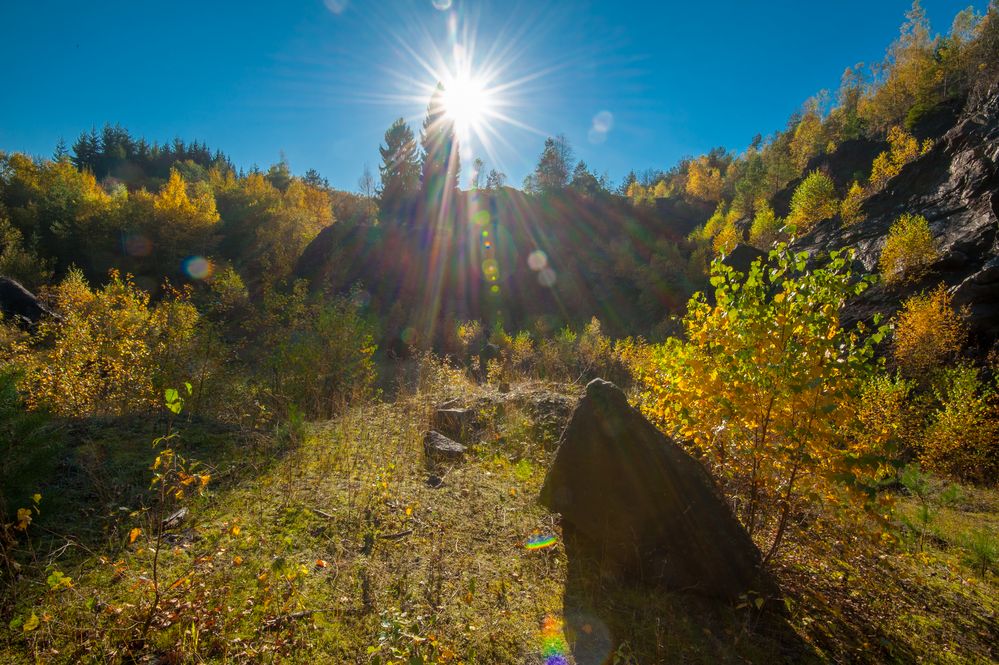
112, 352
962, 439
726, 240
322, 350
849, 208
813, 200
886, 420
766, 228
767, 384
909, 250
902, 149
929, 333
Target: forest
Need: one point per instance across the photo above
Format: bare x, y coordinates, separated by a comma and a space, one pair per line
217, 382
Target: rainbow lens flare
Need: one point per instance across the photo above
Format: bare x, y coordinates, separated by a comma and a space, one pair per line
540, 542
553, 645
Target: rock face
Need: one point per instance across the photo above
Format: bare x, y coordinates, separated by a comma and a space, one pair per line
441, 450
956, 187
20, 304
641, 507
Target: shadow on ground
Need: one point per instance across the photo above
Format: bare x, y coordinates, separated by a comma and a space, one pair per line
610, 621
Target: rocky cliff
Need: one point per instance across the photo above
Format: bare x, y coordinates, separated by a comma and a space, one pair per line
955, 186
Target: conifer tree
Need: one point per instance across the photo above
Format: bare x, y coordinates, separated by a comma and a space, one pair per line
400, 169
441, 165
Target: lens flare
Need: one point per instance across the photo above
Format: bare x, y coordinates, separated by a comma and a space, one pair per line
540, 542
537, 260
554, 648
197, 267
547, 277
490, 267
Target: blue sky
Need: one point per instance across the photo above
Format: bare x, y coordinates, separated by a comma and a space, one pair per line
321, 80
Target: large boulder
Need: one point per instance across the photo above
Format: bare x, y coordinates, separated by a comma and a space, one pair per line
637, 504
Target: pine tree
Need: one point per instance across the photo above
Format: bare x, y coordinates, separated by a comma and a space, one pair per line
440, 151
554, 166
399, 170
61, 151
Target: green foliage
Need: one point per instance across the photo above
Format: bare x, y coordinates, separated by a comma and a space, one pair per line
766, 228
930, 500
767, 383
308, 370
909, 250
983, 549
18, 259
812, 201
962, 439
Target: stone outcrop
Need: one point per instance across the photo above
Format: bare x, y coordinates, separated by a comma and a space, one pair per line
438, 449
20, 304
456, 423
955, 186
637, 504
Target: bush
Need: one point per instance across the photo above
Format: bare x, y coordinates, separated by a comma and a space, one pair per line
962, 439
909, 250
813, 200
321, 352
849, 209
929, 333
903, 148
767, 384
766, 228
726, 240
112, 352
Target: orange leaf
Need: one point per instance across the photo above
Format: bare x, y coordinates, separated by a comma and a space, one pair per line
133, 534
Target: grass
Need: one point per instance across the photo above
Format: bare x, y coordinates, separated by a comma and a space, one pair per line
327, 544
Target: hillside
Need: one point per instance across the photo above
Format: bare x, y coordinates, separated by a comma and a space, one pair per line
741, 409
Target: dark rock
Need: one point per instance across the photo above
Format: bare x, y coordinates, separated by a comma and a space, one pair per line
851, 161
637, 504
458, 424
175, 519
954, 186
439, 449
550, 412
20, 304
434, 481
742, 256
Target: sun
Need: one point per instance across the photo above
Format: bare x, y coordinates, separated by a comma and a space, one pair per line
467, 102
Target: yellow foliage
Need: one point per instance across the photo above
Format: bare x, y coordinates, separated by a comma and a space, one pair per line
807, 140
766, 383
903, 148
812, 201
849, 208
703, 181
909, 250
726, 240
929, 333
766, 228
962, 439
111, 352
